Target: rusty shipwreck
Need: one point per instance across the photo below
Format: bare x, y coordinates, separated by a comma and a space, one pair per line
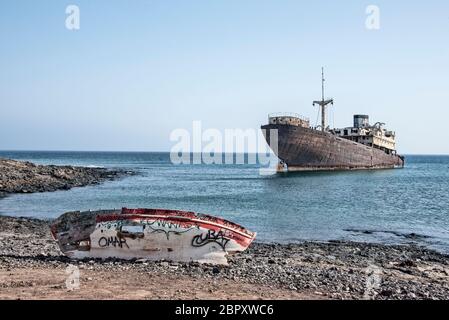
152, 234
301, 147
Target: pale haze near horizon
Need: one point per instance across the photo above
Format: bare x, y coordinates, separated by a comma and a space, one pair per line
136, 71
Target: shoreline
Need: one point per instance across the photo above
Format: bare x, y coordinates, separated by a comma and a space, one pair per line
32, 267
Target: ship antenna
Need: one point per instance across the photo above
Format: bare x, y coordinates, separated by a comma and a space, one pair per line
322, 83
323, 103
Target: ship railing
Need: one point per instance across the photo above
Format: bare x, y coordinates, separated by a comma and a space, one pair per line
288, 114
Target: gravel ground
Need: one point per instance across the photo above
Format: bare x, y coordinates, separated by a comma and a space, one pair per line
31, 266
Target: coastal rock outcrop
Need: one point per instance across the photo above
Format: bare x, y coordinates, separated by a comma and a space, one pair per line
26, 177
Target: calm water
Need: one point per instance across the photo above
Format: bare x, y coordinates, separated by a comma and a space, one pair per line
377, 206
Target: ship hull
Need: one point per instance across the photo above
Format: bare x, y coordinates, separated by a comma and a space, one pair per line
305, 149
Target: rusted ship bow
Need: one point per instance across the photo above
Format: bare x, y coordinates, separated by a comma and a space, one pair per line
153, 234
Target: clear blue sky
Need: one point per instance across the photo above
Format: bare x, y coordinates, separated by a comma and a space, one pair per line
136, 70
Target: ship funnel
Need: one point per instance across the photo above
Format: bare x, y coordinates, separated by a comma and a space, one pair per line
361, 121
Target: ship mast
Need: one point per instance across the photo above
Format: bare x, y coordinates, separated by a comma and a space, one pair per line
323, 103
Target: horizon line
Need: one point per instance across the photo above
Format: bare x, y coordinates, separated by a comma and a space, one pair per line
139, 151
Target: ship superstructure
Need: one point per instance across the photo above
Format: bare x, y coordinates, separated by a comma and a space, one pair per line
375, 136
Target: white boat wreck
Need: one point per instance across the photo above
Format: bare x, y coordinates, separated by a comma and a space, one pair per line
153, 234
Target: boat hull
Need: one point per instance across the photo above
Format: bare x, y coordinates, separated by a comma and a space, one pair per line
305, 149
152, 234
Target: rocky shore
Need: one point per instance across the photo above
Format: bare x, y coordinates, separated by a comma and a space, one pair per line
26, 177
32, 267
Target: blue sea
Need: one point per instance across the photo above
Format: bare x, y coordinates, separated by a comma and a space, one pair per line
409, 205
